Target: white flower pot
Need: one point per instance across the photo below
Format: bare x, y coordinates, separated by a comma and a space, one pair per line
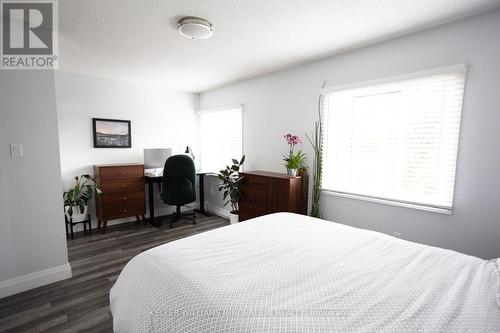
77, 216
233, 218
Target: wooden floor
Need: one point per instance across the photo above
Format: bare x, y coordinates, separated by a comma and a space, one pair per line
81, 304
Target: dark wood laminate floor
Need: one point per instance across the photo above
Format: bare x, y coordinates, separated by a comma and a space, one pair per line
81, 304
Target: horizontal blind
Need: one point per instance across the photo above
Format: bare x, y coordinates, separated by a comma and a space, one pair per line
221, 133
396, 140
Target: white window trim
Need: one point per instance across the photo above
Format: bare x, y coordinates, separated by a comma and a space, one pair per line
221, 108
415, 75
403, 77
391, 202
239, 106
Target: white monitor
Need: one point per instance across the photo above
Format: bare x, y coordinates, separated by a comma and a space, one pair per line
155, 158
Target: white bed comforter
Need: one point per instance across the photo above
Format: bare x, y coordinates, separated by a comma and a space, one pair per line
292, 273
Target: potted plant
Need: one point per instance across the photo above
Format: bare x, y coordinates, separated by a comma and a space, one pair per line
76, 199
230, 185
294, 161
316, 141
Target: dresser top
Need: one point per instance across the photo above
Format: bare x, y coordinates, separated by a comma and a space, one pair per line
268, 174
117, 165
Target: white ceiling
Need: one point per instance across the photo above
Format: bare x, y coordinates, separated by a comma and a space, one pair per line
137, 41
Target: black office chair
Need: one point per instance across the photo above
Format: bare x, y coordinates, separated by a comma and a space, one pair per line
178, 185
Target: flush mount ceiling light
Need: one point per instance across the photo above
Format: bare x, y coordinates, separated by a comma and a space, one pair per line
195, 27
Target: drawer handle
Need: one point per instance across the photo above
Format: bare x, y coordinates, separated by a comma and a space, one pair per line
124, 185
123, 173
124, 198
125, 210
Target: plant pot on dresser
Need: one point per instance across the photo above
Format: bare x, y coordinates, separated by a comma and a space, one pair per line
123, 194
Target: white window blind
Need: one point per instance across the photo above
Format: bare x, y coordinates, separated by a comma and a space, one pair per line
395, 141
221, 133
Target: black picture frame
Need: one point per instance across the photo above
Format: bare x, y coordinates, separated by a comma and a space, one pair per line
112, 140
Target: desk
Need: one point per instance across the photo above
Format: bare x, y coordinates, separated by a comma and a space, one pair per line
151, 180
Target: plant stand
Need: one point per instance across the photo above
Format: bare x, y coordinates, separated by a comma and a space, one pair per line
71, 224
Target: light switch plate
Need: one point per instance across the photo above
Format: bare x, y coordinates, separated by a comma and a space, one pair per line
16, 150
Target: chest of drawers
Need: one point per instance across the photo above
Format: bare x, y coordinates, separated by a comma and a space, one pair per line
269, 192
122, 194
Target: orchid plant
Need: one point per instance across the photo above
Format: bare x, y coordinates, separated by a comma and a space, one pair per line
294, 160
292, 141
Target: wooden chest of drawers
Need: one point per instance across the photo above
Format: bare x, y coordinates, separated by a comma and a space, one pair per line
122, 194
269, 192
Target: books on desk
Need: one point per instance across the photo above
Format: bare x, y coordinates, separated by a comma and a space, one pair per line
155, 172
158, 172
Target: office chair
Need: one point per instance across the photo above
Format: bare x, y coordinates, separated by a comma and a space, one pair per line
178, 185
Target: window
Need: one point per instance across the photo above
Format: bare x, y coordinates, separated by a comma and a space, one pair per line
221, 137
395, 141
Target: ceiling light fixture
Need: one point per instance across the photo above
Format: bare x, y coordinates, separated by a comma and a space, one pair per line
195, 27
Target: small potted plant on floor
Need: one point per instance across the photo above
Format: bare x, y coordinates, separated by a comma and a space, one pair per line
230, 186
76, 199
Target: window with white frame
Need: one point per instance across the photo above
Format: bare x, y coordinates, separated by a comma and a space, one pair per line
395, 140
221, 133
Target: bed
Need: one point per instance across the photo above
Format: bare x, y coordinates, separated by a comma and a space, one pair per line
291, 273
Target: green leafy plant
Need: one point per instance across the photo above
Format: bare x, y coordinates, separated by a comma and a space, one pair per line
295, 160
316, 141
230, 184
80, 194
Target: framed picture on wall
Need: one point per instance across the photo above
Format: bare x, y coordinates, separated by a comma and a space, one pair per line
111, 133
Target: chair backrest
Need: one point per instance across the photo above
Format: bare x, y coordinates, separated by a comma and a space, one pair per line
178, 182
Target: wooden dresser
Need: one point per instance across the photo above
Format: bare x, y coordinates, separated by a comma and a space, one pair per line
269, 192
122, 195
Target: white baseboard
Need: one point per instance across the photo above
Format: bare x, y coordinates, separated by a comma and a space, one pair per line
34, 280
220, 211
160, 210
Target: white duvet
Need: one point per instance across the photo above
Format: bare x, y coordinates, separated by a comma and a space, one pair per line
292, 273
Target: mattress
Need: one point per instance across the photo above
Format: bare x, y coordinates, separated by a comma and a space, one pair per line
292, 273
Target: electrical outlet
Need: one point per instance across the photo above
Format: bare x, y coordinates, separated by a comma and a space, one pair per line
397, 234
16, 150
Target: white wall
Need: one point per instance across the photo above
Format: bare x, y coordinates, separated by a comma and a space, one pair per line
160, 118
32, 238
286, 102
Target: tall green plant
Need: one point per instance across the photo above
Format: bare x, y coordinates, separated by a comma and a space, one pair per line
230, 184
316, 141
